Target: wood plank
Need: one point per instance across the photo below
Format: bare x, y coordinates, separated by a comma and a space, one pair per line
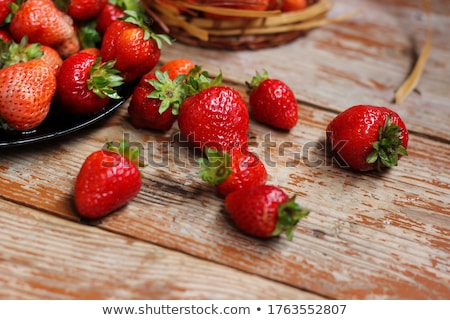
363, 60
368, 235
43, 257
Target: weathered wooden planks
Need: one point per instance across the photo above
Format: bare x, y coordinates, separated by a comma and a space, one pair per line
43, 257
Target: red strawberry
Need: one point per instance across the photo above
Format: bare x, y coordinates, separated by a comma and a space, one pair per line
368, 137
107, 180
5, 35
26, 92
5, 10
264, 211
107, 16
85, 9
155, 101
230, 172
293, 5
212, 115
272, 102
133, 45
52, 58
85, 85
42, 22
176, 67
112, 12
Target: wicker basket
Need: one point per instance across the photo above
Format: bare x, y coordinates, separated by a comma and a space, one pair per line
247, 29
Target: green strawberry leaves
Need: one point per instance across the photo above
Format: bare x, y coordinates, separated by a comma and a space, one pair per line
170, 92
289, 214
104, 79
388, 148
216, 167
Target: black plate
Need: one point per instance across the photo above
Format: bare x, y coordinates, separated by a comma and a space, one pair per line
58, 123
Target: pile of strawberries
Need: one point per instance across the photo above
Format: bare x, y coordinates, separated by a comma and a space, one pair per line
73, 56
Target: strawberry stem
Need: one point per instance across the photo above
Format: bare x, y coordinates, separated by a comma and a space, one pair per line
256, 81
216, 167
289, 214
388, 147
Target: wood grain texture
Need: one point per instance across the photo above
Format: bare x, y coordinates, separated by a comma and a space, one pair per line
43, 257
368, 236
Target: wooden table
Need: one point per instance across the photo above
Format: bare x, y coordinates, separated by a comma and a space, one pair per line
368, 236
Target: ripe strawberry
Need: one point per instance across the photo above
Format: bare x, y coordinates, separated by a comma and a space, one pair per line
26, 92
107, 16
52, 58
107, 180
368, 137
264, 211
115, 10
5, 10
155, 101
272, 102
85, 9
293, 5
212, 115
42, 22
254, 5
5, 35
133, 45
176, 67
232, 171
85, 84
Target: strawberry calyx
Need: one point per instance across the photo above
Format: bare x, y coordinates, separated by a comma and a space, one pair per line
12, 52
124, 148
103, 79
256, 81
198, 80
216, 167
387, 149
170, 92
88, 35
289, 214
132, 16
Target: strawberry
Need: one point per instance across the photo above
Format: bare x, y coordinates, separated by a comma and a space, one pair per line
12, 53
293, 5
232, 171
5, 35
272, 102
133, 45
366, 137
213, 115
85, 84
155, 101
52, 58
115, 10
42, 22
254, 5
177, 67
264, 211
107, 16
26, 92
107, 180
85, 9
5, 10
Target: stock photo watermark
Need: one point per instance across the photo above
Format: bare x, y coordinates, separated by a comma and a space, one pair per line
179, 151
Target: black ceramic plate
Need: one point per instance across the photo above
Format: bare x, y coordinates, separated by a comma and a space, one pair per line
57, 123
